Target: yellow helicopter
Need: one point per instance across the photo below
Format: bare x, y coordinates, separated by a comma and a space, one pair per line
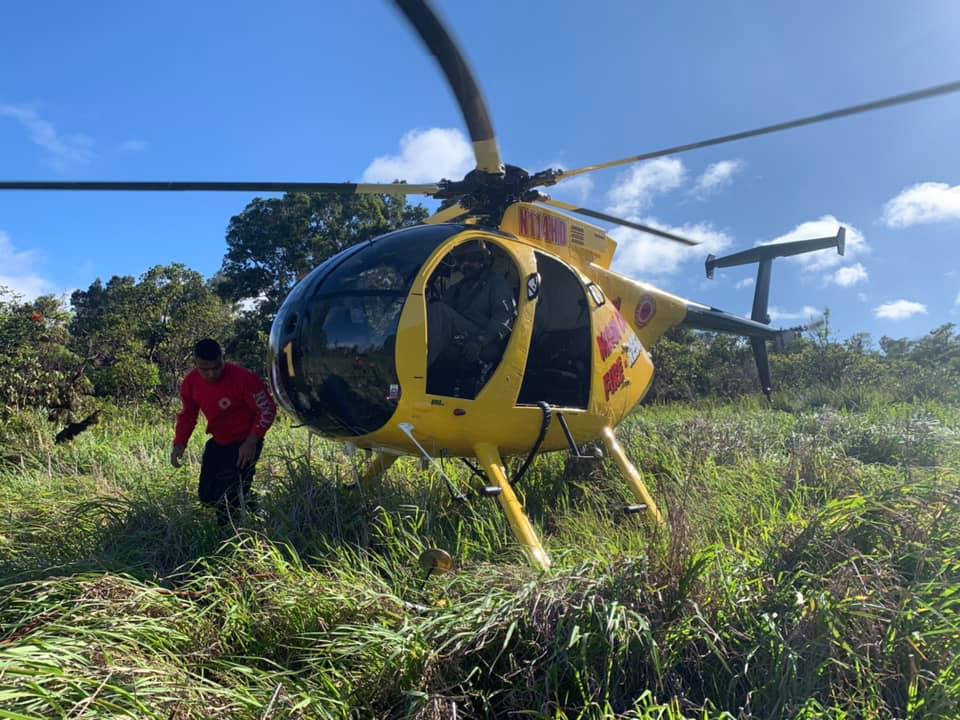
497, 328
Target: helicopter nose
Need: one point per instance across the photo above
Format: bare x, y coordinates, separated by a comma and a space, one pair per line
332, 345
332, 362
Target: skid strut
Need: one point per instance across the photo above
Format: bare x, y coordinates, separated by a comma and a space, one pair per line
523, 531
632, 476
378, 465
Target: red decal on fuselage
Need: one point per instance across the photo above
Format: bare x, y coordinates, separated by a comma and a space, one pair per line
543, 227
611, 335
613, 379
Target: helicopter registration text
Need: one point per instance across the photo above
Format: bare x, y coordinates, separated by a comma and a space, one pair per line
543, 227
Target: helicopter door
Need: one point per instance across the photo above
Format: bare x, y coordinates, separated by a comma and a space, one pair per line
558, 365
471, 308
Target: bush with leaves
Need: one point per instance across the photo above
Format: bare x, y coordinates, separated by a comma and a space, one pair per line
37, 369
815, 370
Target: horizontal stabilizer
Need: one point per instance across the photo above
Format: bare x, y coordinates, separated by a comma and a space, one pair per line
775, 250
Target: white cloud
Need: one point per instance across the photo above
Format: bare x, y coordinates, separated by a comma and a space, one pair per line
576, 190
133, 145
716, 176
956, 302
746, 282
850, 276
927, 202
823, 259
862, 297
634, 190
64, 149
17, 271
899, 310
807, 313
639, 253
425, 156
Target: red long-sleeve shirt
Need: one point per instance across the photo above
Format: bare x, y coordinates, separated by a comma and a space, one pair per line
236, 406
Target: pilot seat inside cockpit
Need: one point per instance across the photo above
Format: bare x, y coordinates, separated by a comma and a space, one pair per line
471, 310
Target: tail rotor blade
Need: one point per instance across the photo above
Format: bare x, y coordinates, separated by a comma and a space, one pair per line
618, 221
454, 65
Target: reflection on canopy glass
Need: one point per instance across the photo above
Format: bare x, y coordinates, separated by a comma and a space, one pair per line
338, 334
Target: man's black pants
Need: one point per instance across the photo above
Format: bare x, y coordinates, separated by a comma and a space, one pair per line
222, 483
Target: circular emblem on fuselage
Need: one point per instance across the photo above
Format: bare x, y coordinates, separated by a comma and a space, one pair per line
646, 309
224, 403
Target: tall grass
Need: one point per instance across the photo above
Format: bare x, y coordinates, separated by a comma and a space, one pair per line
809, 570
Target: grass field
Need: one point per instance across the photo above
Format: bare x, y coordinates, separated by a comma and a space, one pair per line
810, 570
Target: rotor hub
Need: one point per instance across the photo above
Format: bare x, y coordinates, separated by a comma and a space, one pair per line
487, 195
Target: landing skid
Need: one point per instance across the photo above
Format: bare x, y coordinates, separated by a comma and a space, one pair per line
523, 531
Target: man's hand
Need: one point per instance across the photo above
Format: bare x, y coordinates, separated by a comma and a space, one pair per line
176, 455
247, 452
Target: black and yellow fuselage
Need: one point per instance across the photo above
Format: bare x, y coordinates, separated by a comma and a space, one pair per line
349, 347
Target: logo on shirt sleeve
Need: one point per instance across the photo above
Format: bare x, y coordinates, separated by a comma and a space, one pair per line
224, 403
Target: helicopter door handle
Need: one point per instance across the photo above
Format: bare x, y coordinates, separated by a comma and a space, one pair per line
596, 293
533, 286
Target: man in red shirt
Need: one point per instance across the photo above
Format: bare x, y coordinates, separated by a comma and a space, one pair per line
239, 411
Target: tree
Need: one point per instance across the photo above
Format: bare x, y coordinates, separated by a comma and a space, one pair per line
140, 333
181, 308
939, 348
276, 241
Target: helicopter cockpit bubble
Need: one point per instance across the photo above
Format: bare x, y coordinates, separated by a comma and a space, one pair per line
332, 344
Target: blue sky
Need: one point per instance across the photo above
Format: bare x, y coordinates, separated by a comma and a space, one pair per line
336, 92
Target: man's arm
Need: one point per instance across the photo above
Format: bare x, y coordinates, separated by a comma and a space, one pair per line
186, 422
257, 398
502, 311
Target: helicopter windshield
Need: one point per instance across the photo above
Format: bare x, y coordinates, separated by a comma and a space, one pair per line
332, 343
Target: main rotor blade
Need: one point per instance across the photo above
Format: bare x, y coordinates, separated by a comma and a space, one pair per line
454, 65
619, 221
447, 214
788, 125
274, 187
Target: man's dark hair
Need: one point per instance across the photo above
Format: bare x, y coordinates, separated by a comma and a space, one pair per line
207, 349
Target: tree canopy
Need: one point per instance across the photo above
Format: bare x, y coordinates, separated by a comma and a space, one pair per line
275, 241
139, 334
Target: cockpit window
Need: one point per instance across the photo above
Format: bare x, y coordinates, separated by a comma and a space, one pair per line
333, 342
471, 309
